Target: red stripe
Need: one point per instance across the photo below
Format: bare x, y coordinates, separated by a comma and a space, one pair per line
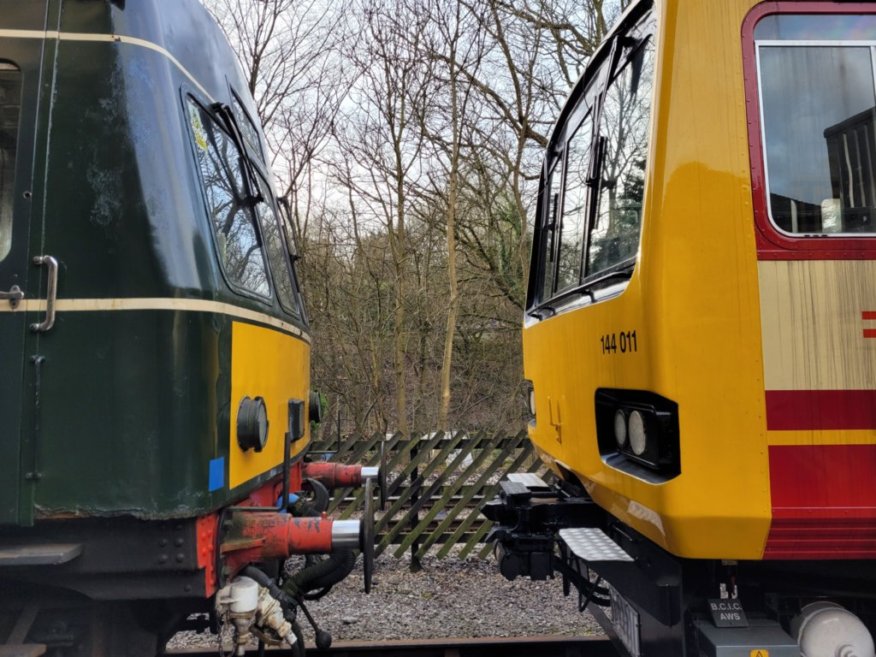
821, 539
790, 410
870, 333
824, 506
868, 314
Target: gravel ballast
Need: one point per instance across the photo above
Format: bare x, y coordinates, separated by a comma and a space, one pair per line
448, 598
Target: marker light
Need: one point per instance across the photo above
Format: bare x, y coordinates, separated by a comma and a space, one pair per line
638, 436
620, 428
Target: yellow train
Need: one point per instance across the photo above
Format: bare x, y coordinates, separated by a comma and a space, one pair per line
700, 332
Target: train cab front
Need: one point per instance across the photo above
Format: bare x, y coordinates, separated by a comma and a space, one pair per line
280, 550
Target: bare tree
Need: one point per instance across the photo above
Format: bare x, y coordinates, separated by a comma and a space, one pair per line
383, 140
408, 136
289, 52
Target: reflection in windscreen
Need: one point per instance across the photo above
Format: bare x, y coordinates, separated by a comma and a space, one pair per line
574, 207
236, 238
818, 123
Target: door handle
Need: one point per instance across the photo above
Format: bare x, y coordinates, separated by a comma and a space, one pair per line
14, 294
51, 293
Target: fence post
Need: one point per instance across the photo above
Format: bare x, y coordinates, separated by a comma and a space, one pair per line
416, 566
448, 475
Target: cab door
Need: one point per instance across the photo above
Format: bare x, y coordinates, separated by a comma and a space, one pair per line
23, 48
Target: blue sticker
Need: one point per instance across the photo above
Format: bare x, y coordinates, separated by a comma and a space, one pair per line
217, 473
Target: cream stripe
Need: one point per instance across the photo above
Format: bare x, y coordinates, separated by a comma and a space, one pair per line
157, 303
812, 326
104, 38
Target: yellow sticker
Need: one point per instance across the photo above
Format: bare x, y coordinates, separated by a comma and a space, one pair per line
759, 653
198, 128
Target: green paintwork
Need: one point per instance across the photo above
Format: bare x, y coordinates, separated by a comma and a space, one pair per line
15, 268
117, 412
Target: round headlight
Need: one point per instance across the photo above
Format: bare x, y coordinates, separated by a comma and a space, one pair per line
638, 435
620, 428
252, 424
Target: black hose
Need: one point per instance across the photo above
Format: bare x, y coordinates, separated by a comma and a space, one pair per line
298, 648
263, 579
312, 507
322, 574
321, 495
345, 560
325, 573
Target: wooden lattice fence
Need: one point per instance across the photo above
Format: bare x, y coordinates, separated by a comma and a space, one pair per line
436, 485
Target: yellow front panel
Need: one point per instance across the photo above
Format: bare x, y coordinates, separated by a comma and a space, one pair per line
273, 365
694, 304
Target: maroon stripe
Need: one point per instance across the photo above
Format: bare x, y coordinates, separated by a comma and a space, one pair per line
823, 505
870, 333
790, 410
868, 314
824, 539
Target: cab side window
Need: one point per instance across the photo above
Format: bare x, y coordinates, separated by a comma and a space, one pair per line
551, 210
276, 250
590, 218
238, 243
247, 127
10, 105
624, 132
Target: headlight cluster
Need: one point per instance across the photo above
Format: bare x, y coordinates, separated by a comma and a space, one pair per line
630, 428
636, 428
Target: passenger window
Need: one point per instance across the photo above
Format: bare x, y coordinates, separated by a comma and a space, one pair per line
237, 241
574, 216
277, 257
10, 106
624, 133
820, 154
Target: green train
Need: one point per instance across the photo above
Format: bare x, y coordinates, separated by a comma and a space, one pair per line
155, 353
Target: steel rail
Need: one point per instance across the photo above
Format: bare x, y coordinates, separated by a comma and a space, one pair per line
536, 646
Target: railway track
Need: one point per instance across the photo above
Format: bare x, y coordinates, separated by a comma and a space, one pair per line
539, 646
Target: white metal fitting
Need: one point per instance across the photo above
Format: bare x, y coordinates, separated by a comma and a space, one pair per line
270, 617
825, 629
370, 472
238, 603
346, 533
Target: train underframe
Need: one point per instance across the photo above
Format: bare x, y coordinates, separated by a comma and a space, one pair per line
660, 605
123, 586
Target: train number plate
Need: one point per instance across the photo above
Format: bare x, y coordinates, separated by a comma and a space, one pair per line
625, 621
